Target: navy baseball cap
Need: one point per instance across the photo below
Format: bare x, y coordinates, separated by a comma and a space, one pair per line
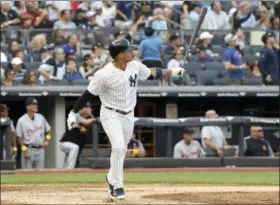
3, 107
188, 130
31, 101
174, 36
44, 49
87, 104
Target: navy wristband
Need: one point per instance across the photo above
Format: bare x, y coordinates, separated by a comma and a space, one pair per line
159, 73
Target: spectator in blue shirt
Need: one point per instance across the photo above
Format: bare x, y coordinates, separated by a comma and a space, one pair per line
202, 56
151, 49
124, 15
232, 59
73, 44
269, 59
71, 71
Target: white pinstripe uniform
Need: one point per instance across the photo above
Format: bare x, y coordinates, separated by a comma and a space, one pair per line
117, 89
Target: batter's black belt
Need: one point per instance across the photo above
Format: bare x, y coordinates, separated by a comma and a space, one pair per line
118, 111
33, 146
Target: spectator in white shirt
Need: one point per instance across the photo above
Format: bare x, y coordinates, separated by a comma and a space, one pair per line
55, 8
213, 139
187, 147
3, 58
65, 23
216, 18
102, 20
177, 57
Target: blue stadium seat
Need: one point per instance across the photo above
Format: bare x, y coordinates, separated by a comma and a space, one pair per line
222, 81
218, 49
253, 81
4, 65
149, 83
57, 82
32, 66
250, 59
218, 66
81, 82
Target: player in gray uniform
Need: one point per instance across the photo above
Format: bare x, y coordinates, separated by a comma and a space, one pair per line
187, 147
33, 132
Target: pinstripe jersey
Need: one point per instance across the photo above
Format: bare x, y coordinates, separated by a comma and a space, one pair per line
117, 88
32, 131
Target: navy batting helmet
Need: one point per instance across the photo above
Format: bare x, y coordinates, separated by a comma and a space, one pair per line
119, 46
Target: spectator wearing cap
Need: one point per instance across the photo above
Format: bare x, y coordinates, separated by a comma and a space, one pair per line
193, 16
73, 44
29, 78
98, 57
74, 140
125, 14
213, 139
187, 147
175, 43
216, 18
135, 148
65, 23
8, 17
102, 19
87, 69
54, 67
22, 56
55, 7
16, 67
34, 135
243, 16
255, 145
81, 18
4, 113
205, 39
33, 17
269, 59
9, 78
91, 20
158, 21
71, 71
202, 56
151, 49
232, 59
84, 5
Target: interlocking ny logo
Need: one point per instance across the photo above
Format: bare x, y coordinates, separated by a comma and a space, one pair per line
133, 80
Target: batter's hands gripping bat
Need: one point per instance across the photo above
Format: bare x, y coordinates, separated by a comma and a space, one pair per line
196, 30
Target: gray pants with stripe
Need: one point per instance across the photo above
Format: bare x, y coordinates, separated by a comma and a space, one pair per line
36, 159
71, 151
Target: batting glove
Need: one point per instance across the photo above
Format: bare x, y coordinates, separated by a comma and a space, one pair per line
177, 72
71, 120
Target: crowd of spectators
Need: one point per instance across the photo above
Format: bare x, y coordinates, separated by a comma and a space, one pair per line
63, 55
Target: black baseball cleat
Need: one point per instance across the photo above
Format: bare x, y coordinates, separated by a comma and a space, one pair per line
117, 194
111, 187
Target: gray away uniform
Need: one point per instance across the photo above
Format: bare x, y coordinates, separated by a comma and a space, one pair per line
191, 151
32, 133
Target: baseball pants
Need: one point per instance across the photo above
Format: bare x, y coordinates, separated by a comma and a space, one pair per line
119, 129
71, 151
36, 159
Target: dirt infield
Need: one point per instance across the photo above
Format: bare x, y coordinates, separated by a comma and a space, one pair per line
139, 194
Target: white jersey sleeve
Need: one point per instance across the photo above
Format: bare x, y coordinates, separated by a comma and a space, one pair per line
177, 151
144, 72
96, 83
46, 125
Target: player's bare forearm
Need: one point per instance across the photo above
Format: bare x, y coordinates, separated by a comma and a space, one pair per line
14, 139
20, 141
209, 144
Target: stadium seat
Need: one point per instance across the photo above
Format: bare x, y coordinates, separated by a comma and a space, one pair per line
248, 50
165, 60
81, 82
218, 49
222, 81
247, 73
149, 83
192, 68
256, 49
250, 59
218, 67
57, 82
206, 77
253, 81
32, 66
4, 65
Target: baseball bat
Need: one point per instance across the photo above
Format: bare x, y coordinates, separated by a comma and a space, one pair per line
195, 32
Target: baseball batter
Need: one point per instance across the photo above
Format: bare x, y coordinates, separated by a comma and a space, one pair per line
33, 132
116, 86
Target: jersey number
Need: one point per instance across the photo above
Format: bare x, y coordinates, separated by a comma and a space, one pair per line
132, 80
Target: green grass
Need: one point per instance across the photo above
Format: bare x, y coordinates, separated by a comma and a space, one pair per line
242, 178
